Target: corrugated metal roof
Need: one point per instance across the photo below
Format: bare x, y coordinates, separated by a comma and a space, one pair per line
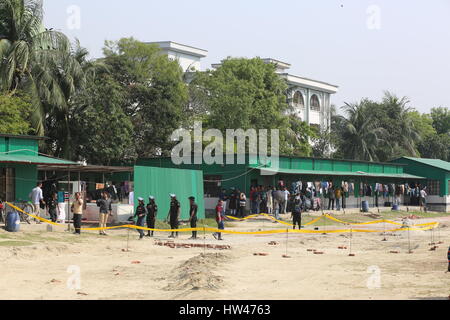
343, 173
33, 159
437, 163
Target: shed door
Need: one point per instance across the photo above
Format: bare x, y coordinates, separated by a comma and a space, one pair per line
7, 186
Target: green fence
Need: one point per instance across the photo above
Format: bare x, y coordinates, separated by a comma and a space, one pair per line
160, 182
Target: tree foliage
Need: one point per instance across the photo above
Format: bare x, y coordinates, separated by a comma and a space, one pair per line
15, 112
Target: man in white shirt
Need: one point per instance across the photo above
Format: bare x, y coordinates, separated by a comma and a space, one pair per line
286, 198
423, 194
36, 198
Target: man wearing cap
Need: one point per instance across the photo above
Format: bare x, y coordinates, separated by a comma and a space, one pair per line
174, 214
152, 213
140, 214
193, 216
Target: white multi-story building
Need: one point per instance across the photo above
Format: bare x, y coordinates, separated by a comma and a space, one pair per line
310, 99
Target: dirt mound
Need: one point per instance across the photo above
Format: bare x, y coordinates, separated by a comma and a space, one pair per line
197, 273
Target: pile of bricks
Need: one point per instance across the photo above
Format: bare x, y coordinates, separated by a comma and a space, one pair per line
174, 245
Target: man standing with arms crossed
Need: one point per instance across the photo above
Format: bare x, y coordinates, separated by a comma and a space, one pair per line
36, 197
174, 215
193, 216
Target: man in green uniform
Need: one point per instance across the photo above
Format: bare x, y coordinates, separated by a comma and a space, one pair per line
174, 214
152, 213
193, 216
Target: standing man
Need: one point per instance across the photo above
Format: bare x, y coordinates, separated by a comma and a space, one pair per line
77, 209
331, 197
104, 203
338, 195
52, 205
423, 199
242, 204
193, 216
224, 197
297, 212
286, 199
220, 220
233, 205
269, 200
140, 214
174, 214
36, 197
152, 214
61, 207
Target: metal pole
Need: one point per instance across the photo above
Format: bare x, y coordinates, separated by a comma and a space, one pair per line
287, 239
68, 201
409, 241
128, 238
351, 239
204, 239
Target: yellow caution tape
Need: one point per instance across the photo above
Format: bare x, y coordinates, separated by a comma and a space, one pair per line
422, 227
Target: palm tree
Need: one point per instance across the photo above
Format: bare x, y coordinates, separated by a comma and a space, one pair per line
408, 137
360, 134
38, 60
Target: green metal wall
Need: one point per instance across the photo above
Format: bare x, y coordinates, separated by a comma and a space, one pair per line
430, 172
160, 182
25, 179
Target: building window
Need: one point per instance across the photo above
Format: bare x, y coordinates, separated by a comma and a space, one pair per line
213, 186
433, 187
299, 103
315, 103
7, 186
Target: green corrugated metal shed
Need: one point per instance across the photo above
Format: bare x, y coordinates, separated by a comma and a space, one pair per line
161, 182
432, 169
242, 176
21, 154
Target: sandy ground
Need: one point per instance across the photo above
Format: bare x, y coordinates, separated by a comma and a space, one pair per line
34, 265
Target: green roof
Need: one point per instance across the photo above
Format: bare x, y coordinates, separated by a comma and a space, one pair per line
437, 163
343, 173
32, 159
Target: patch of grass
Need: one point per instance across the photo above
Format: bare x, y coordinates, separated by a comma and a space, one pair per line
12, 243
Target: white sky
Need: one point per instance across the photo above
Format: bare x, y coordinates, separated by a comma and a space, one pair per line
326, 40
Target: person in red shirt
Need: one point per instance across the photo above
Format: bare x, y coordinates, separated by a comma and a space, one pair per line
220, 220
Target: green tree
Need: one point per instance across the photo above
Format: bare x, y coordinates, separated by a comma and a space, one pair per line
247, 94
103, 130
14, 114
36, 60
441, 120
359, 133
155, 93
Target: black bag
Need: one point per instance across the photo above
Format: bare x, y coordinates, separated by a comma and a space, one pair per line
42, 204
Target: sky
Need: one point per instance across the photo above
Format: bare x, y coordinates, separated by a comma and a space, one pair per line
364, 47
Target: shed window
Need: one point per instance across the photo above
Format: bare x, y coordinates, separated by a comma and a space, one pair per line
433, 187
213, 186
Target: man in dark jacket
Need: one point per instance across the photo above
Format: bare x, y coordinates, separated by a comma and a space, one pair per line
174, 215
297, 212
52, 204
193, 216
152, 214
140, 215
